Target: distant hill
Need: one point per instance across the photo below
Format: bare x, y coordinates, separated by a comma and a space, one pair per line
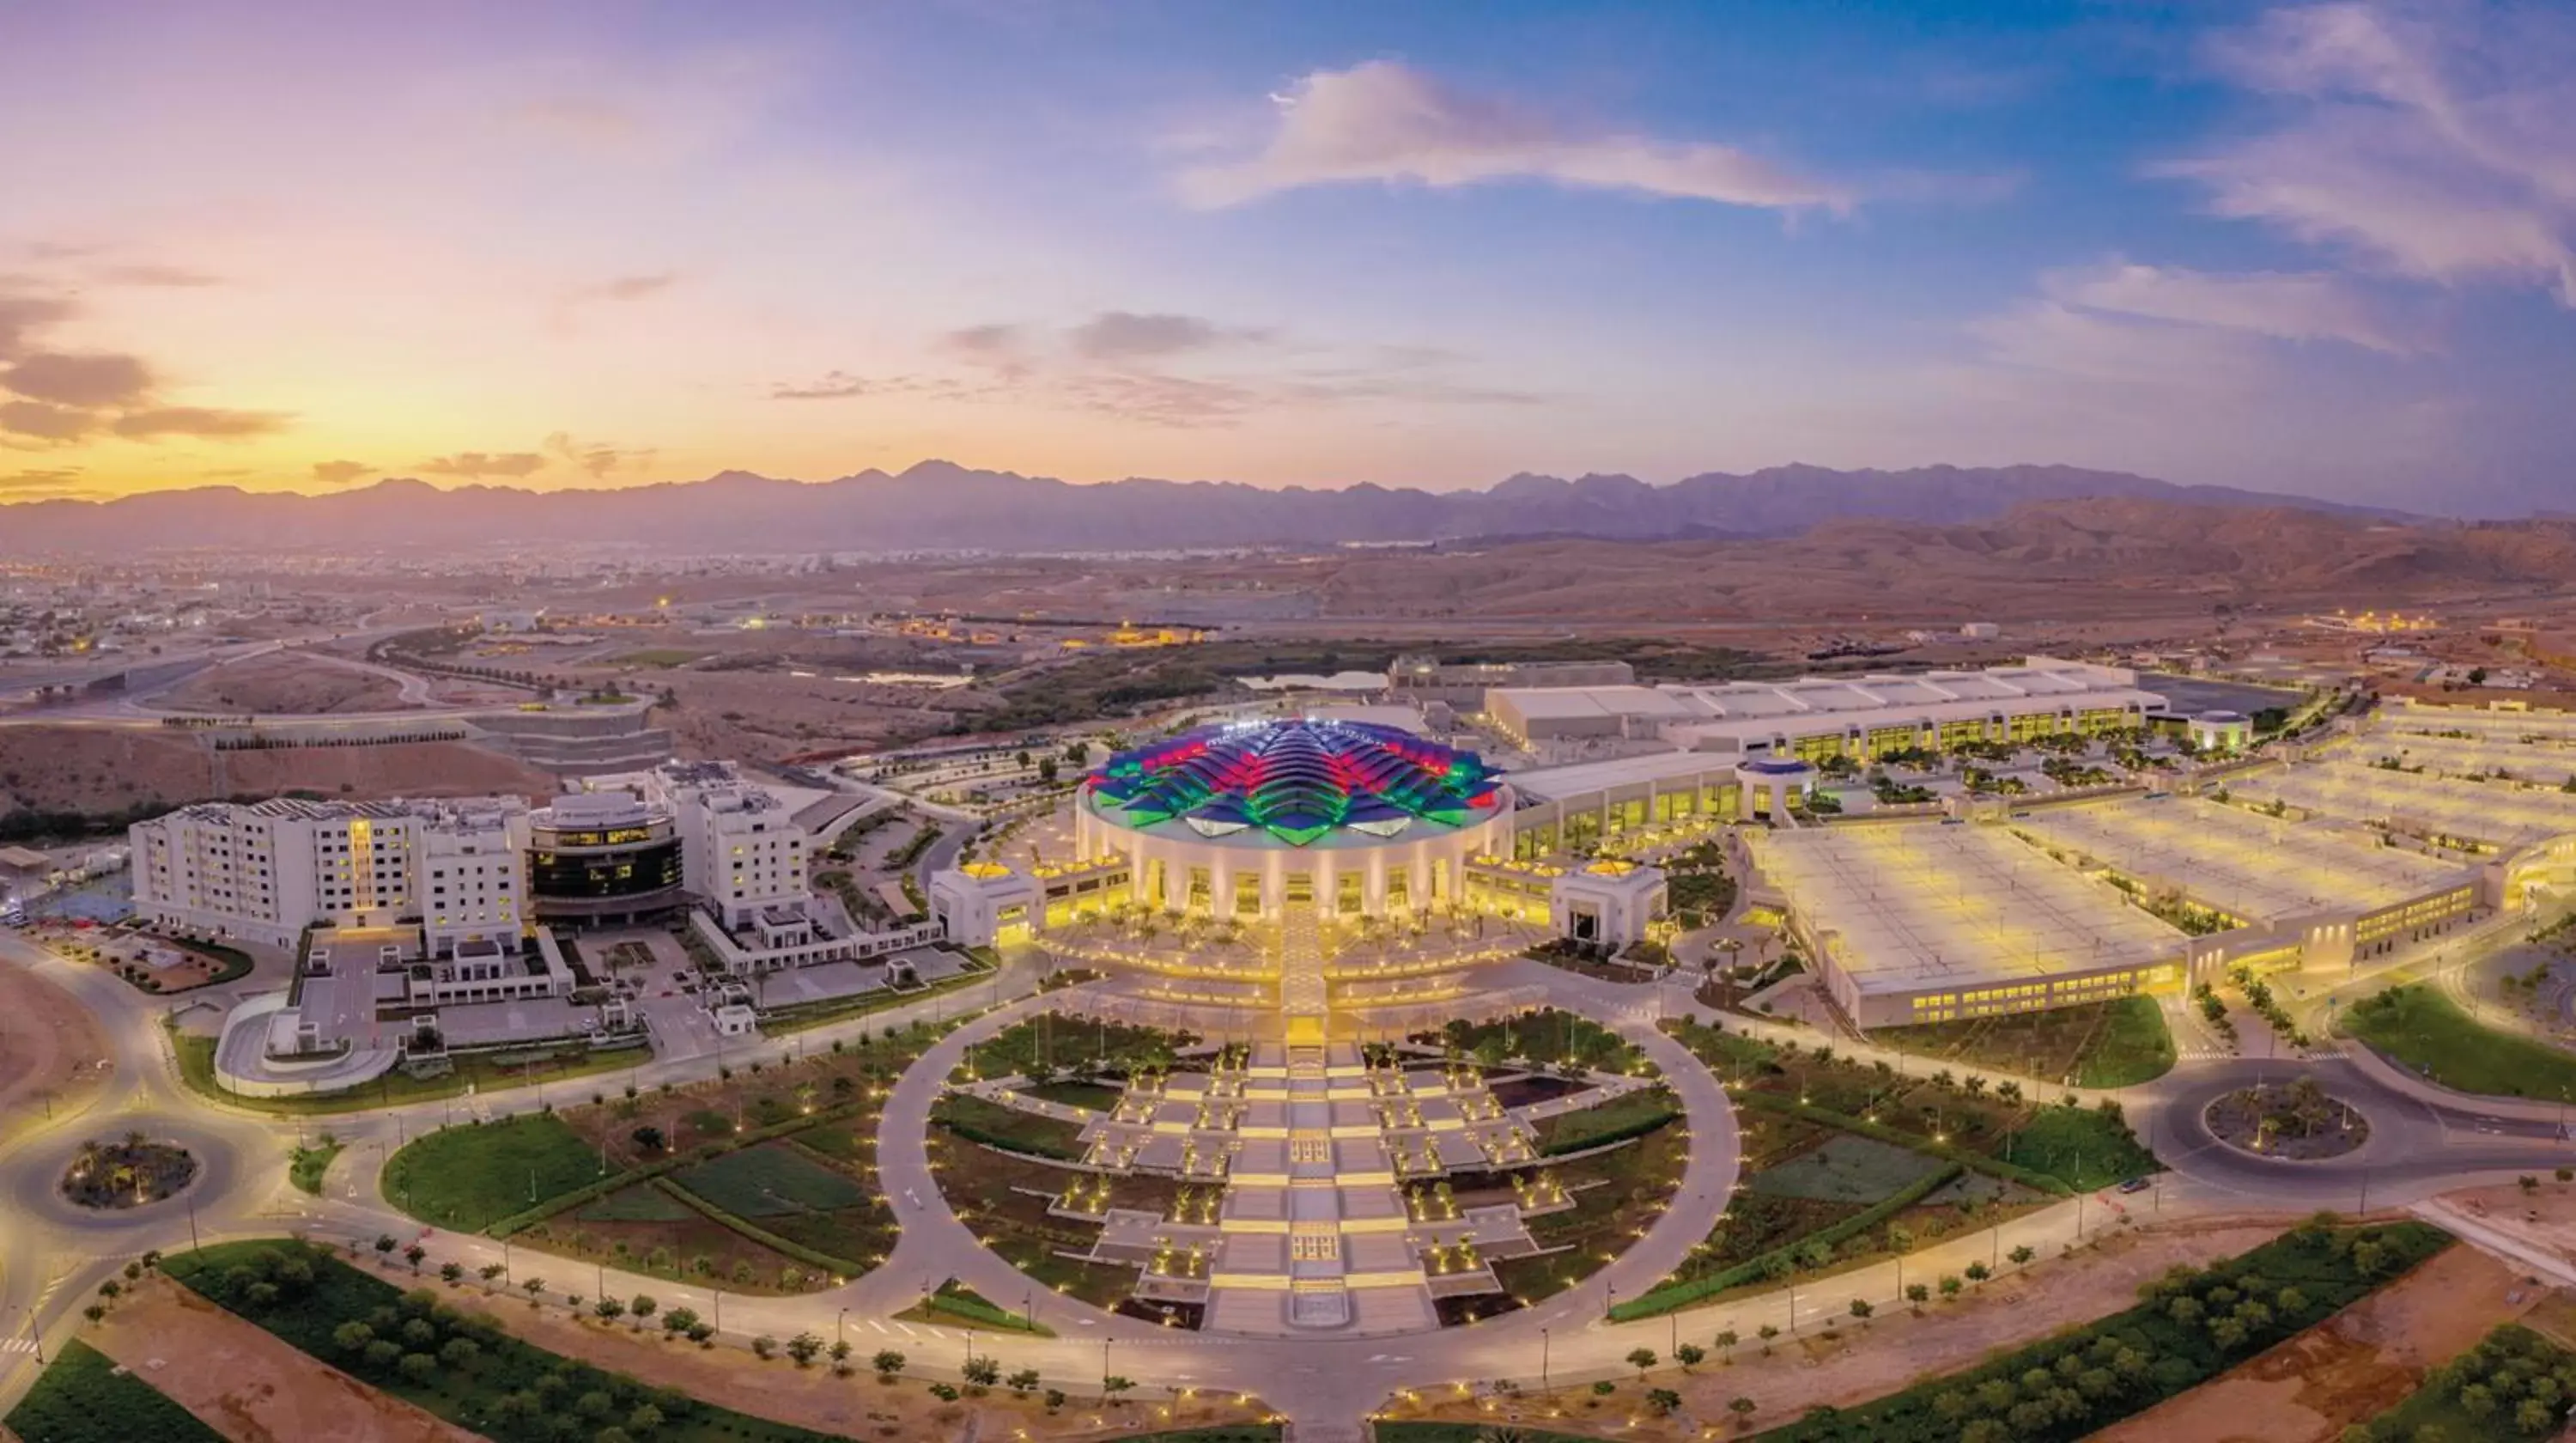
2079, 557
937, 505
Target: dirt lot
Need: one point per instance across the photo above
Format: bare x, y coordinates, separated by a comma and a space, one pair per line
2350, 1368
415, 769
285, 683
247, 1384
1896, 1349
104, 769
50, 1047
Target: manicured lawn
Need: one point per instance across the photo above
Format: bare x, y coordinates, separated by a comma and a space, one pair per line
466, 1177
960, 1306
1545, 1038
995, 1125
306, 1165
494, 1387
2189, 1327
1048, 1043
771, 1180
1633, 1186
1633, 1115
2420, 1029
81, 1398
484, 1075
642, 1203
2099, 1044
1089, 1096
1845, 1169
2081, 1146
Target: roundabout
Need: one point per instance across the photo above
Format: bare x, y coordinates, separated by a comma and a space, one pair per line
2293, 1122
131, 1172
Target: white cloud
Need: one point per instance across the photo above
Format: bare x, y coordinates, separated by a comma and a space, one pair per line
1382, 121
2437, 142
2284, 305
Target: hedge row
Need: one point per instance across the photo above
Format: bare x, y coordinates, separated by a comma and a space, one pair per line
2169, 1355
1588, 1142
2048, 1183
945, 1115
811, 1257
529, 1217
1665, 1300
965, 1302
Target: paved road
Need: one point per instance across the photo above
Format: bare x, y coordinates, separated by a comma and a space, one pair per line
55, 1261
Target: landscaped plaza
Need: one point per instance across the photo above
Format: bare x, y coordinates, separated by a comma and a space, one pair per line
1278, 1072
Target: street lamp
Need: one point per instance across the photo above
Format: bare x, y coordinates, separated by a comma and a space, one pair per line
1542, 1360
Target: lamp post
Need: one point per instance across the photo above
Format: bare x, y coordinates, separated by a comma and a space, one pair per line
1542, 1361
840, 1326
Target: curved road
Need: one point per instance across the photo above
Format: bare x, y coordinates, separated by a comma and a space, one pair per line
52, 1257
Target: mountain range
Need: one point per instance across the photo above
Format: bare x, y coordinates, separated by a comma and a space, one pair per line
2062, 558
940, 506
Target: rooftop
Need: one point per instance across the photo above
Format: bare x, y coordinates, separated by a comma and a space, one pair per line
1299, 781
1907, 906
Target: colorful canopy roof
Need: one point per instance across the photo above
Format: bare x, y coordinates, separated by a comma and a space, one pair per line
1297, 780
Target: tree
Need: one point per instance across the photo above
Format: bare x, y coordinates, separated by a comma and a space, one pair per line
1641, 1359
803, 1348
1664, 1401
1950, 1285
609, 1309
413, 1255
1743, 1409
451, 1273
983, 1372
1023, 1381
459, 1352
1978, 1272
764, 1346
1766, 1333
1725, 1343
644, 1419
385, 1243
1113, 1385
679, 1320
1861, 1309
1689, 1355
489, 1273
417, 1368
647, 1138
2020, 1257
642, 1308
352, 1336
885, 1363
1918, 1294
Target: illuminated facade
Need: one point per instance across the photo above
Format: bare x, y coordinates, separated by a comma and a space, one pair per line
268, 870
1353, 818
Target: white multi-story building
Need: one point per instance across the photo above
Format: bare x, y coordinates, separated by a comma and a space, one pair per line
742, 853
268, 870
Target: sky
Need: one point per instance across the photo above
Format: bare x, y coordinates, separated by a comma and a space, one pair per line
2325, 248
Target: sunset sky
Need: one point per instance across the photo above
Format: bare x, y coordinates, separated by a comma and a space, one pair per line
2326, 248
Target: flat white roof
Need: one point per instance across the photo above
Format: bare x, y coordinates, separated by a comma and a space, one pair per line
2500, 813
1754, 711
2260, 868
1553, 784
1557, 702
1907, 907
